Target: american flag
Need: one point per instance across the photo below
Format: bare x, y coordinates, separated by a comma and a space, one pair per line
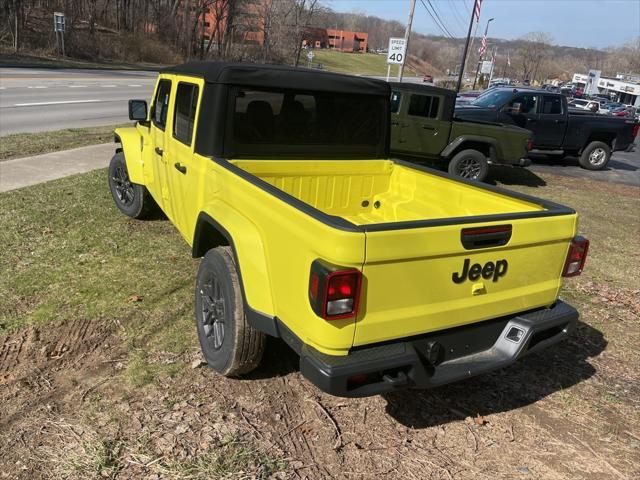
483, 46
476, 12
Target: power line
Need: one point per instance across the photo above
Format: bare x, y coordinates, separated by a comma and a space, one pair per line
442, 28
457, 16
436, 11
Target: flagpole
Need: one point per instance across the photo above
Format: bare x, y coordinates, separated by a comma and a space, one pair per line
486, 31
466, 47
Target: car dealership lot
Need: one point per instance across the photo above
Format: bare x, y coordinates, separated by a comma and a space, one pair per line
624, 167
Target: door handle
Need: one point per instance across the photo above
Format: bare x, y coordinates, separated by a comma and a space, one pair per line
159, 151
427, 127
181, 168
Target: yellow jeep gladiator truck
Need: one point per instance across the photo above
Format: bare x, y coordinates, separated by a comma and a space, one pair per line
379, 273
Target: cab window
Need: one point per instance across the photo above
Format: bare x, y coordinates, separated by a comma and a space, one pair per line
395, 101
424, 106
161, 104
185, 113
528, 103
551, 105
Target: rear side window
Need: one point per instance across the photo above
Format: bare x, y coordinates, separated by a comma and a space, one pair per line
185, 114
161, 104
552, 105
396, 97
424, 106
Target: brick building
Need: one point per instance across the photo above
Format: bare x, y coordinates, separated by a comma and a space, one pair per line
249, 25
342, 40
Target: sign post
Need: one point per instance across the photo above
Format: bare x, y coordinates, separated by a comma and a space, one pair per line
396, 53
58, 28
310, 56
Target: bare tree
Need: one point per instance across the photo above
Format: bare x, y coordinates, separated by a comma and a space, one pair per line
535, 50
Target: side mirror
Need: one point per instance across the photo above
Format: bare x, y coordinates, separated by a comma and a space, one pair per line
137, 110
516, 108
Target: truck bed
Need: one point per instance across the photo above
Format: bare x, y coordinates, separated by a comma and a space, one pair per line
367, 192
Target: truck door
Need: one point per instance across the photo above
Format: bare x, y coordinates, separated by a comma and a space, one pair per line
159, 115
183, 171
552, 123
427, 133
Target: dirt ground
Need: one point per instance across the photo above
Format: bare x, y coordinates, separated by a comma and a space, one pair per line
79, 401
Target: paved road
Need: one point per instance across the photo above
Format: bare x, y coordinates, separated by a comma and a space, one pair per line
34, 100
624, 167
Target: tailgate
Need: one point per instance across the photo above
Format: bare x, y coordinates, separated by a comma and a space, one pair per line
416, 280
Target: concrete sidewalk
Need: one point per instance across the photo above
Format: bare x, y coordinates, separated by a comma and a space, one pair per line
22, 172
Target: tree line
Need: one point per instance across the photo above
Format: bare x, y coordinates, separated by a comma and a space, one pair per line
168, 31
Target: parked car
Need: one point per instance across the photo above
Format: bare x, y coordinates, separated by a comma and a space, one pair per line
380, 274
424, 129
626, 111
590, 105
558, 130
427, 79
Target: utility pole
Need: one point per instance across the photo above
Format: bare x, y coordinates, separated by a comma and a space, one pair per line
466, 48
486, 30
407, 33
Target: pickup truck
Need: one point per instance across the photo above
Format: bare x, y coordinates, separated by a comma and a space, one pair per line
558, 131
424, 129
379, 273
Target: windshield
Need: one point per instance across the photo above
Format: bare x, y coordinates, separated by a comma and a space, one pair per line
492, 99
291, 123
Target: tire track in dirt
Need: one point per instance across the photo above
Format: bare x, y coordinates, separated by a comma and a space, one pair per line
24, 351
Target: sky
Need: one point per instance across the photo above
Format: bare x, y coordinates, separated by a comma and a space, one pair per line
576, 23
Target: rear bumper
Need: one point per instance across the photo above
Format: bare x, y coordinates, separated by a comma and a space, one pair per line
438, 358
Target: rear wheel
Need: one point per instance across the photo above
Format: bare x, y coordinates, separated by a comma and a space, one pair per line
470, 164
131, 199
595, 156
229, 344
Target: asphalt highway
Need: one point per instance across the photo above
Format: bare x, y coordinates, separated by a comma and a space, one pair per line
35, 100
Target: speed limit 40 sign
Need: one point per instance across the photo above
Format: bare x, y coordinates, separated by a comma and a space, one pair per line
396, 52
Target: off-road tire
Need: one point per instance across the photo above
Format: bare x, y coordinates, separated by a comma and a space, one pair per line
595, 156
470, 164
241, 346
131, 199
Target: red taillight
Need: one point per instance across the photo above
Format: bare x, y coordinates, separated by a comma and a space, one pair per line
576, 257
634, 130
529, 145
334, 292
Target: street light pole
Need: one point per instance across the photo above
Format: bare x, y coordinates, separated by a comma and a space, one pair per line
407, 33
486, 30
466, 48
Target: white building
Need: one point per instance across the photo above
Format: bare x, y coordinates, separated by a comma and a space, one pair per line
624, 91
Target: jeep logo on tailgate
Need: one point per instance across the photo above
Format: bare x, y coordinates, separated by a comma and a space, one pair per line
475, 271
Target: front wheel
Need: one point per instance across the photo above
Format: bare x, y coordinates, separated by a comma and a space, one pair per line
595, 156
131, 199
470, 164
229, 344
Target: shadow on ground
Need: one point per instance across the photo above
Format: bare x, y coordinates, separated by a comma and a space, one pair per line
530, 379
499, 174
573, 162
527, 381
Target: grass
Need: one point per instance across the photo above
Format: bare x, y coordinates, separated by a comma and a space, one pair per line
68, 253
355, 63
26, 144
11, 59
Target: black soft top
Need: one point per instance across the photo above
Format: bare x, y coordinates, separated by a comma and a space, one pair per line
280, 77
426, 89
